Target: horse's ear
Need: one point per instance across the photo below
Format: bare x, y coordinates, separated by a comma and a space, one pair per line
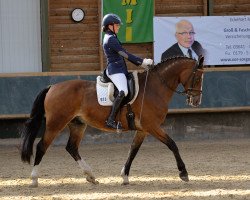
200, 61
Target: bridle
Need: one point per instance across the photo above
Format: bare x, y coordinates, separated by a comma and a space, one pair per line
191, 91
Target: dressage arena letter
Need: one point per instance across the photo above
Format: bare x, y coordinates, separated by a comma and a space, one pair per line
129, 18
128, 33
129, 2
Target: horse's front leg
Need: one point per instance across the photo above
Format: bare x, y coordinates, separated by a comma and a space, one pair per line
135, 146
164, 138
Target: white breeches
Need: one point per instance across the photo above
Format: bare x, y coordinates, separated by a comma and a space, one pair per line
120, 82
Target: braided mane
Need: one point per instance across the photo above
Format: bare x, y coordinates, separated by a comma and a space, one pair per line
175, 58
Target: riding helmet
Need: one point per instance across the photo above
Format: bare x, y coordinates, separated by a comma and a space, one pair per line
111, 19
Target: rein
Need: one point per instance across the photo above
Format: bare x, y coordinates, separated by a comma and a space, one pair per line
146, 80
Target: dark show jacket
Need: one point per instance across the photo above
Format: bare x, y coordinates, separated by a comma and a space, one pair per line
175, 50
115, 55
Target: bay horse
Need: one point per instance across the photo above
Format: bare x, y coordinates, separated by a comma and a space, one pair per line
74, 104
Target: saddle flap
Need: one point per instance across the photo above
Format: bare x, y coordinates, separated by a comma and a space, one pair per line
104, 91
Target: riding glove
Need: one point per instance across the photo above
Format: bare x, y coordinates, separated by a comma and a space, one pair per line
146, 63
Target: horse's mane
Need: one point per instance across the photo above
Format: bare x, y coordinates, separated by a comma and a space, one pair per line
168, 60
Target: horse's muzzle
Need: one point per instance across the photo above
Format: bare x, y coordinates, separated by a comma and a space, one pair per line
194, 101
193, 97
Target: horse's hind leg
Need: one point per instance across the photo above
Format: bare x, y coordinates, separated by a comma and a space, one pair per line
164, 138
77, 129
41, 148
135, 146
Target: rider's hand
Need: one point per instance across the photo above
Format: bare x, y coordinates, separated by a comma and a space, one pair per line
147, 63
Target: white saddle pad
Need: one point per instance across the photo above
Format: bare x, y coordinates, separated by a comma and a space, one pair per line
105, 91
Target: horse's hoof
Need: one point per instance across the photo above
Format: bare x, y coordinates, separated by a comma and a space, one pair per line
33, 185
184, 176
125, 180
91, 179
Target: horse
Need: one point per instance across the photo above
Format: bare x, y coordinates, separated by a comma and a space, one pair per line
74, 104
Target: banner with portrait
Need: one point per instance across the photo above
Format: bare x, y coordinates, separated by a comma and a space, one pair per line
225, 39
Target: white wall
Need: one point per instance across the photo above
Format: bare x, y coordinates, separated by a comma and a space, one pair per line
20, 36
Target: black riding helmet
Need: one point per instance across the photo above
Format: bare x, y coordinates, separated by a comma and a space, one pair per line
110, 19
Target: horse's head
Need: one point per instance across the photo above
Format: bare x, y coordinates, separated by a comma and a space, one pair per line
192, 82
186, 71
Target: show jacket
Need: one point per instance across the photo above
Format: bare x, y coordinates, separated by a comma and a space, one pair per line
115, 55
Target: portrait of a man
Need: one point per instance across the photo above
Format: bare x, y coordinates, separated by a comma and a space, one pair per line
186, 44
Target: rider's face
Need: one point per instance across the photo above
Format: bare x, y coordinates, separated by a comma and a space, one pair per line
115, 28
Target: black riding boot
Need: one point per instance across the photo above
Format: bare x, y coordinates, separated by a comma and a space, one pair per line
116, 107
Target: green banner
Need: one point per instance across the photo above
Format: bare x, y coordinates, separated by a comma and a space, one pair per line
136, 16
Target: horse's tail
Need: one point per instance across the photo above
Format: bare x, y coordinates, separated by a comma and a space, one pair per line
32, 126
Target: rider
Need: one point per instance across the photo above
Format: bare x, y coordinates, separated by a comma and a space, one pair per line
116, 66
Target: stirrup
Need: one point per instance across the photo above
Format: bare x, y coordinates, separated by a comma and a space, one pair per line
119, 127
114, 125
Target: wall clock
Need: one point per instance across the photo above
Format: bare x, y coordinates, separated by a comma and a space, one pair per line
77, 14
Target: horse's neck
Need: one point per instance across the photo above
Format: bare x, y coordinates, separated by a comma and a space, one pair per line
178, 68
168, 78
158, 86
171, 75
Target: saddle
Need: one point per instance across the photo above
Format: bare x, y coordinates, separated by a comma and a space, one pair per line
106, 90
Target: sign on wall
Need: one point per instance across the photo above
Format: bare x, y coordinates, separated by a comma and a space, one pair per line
137, 19
225, 39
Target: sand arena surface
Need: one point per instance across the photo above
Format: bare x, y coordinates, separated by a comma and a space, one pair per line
217, 170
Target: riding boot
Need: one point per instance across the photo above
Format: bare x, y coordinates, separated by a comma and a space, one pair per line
116, 107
